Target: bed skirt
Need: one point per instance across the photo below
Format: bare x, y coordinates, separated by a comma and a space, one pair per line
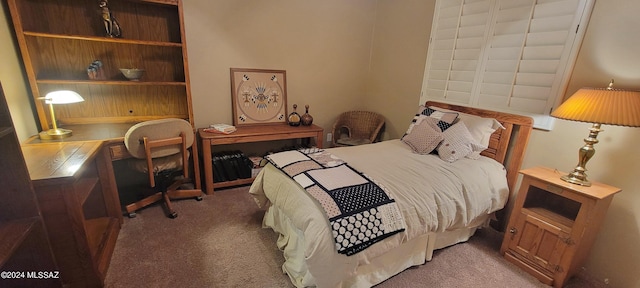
373, 271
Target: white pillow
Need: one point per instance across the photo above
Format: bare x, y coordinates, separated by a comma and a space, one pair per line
480, 128
458, 143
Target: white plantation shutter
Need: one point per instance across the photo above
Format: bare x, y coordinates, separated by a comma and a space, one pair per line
456, 48
509, 55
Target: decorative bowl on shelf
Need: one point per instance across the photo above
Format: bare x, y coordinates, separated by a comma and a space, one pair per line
132, 74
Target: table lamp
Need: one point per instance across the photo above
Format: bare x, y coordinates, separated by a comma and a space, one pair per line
598, 106
58, 97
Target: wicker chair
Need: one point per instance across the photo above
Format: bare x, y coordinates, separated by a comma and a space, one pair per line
357, 128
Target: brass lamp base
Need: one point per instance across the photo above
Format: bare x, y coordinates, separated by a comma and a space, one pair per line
578, 176
54, 134
576, 179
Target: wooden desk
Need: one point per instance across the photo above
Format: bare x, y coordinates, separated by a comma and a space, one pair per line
112, 134
77, 194
88, 132
249, 134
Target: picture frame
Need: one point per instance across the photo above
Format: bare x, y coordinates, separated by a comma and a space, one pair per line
259, 96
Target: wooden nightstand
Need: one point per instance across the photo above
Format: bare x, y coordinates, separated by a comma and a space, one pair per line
553, 224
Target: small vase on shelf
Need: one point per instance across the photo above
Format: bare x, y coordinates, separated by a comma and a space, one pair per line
294, 117
306, 118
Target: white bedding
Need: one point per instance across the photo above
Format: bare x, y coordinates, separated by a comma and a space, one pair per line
433, 196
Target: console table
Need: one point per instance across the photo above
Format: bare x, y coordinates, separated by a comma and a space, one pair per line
249, 134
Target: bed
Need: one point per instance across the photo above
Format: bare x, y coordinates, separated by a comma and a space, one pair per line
477, 186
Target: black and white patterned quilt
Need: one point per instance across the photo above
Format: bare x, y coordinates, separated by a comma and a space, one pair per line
360, 211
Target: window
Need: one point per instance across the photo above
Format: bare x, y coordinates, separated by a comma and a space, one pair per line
507, 55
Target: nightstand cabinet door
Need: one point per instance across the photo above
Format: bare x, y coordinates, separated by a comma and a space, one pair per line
554, 224
539, 241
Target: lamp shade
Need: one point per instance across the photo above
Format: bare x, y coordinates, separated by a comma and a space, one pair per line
62, 97
602, 106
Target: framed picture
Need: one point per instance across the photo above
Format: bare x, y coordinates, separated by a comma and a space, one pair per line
259, 96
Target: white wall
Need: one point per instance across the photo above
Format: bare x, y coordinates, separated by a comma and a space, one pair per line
13, 79
323, 45
399, 50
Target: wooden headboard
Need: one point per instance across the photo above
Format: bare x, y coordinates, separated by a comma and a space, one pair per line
507, 145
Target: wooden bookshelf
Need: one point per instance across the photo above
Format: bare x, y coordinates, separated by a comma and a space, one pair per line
58, 41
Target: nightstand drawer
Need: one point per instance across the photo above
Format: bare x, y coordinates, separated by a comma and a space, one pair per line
547, 186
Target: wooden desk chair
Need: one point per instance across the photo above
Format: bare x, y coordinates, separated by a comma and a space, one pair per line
160, 148
357, 128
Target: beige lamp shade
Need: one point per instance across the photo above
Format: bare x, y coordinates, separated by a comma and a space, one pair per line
62, 97
603, 106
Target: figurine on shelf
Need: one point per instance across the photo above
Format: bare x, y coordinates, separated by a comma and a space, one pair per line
110, 23
94, 71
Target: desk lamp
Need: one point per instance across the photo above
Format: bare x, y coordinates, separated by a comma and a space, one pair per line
598, 106
58, 97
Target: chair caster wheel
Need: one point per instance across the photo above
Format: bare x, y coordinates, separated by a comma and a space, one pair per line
132, 215
173, 215
199, 198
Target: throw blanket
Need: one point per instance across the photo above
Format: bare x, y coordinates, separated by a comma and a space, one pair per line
360, 212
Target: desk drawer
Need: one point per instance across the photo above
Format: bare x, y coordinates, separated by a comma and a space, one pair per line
119, 151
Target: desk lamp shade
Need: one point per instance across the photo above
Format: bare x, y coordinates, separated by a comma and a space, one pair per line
58, 97
598, 106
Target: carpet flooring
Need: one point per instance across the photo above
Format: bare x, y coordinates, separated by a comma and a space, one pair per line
219, 242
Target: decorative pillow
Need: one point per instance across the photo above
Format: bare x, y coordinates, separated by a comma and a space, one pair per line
480, 128
425, 135
458, 143
445, 119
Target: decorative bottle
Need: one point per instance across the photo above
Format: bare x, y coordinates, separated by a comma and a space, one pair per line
294, 117
306, 118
